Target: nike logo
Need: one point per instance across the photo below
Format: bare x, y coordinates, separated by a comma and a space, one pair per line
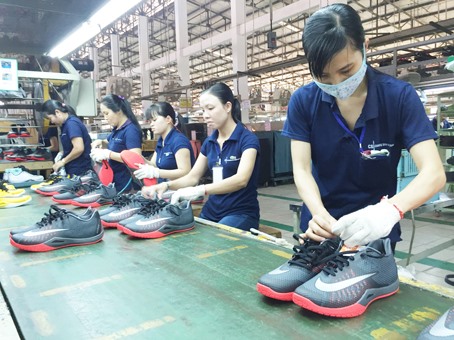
41, 232
90, 196
335, 286
122, 212
439, 328
145, 222
278, 271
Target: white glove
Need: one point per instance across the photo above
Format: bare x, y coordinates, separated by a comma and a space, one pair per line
98, 155
368, 224
146, 171
189, 193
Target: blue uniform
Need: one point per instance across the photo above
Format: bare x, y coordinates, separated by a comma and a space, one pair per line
70, 129
165, 154
127, 137
51, 132
243, 201
393, 118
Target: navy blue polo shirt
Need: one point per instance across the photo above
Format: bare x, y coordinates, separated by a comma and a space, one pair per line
165, 154
243, 201
393, 118
70, 129
51, 132
127, 137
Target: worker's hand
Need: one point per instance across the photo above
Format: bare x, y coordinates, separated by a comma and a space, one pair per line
98, 155
154, 191
96, 144
319, 227
146, 171
189, 193
368, 224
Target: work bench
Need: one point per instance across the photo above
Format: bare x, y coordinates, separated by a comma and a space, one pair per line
193, 285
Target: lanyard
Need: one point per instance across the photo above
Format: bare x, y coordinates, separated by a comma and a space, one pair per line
361, 136
218, 151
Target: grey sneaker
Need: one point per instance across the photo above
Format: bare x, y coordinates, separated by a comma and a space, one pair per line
169, 219
103, 194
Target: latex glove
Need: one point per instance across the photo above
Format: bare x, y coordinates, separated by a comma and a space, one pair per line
189, 193
96, 144
368, 224
146, 171
98, 155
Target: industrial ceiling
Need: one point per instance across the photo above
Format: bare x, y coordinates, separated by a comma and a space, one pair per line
405, 36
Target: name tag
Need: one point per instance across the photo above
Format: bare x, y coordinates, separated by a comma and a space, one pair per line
217, 174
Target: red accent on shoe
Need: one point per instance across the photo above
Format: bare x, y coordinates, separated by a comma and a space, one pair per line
68, 201
268, 292
46, 193
343, 312
109, 224
43, 247
153, 234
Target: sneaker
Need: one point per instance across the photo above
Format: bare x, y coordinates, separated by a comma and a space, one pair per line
53, 178
23, 132
351, 281
7, 191
126, 207
12, 202
20, 175
39, 154
131, 159
14, 132
67, 195
89, 176
101, 195
58, 229
442, 328
148, 209
65, 183
171, 218
19, 156
307, 261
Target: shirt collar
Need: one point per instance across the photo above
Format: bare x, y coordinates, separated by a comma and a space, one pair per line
236, 134
123, 126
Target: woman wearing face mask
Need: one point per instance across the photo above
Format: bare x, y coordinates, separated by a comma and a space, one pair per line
173, 157
230, 153
126, 135
348, 128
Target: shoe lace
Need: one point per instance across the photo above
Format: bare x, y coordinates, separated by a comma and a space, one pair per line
54, 214
311, 253
152, 207
120, 201
341, 259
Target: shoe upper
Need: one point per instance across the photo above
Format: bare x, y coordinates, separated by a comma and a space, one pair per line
61, 223
148, 208
347, 275
78, 190
129, 206
307, 261
102, 193
64, 183
20, 175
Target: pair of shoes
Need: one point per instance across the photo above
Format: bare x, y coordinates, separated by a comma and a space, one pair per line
123, 207
20, 175
158, 219
443, 327
59, 228
12, 202
346, 285
18, 130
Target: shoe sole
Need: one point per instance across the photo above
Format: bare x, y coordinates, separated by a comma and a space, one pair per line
67, 201
47, 246
47, 193
109, 224
350, 311
268, 292
153, 234
5, 205
130, 159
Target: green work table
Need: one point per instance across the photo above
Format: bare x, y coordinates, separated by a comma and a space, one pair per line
194, 285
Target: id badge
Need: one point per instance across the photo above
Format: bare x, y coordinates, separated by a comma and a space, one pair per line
217, 174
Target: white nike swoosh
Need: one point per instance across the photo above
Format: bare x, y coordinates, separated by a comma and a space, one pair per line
145, 222
89, 196
41, 232
119, 213
278, 271
332, 287
439, 328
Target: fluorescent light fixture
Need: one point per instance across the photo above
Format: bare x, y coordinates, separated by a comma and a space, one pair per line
93, 26
289, 26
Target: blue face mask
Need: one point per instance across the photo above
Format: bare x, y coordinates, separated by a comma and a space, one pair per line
346, 88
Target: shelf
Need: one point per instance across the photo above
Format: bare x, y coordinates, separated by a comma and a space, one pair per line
30, 165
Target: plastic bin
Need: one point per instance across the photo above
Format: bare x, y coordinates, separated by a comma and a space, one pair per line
402, 182
406, 166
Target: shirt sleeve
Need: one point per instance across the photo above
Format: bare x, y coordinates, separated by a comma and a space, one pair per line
296, 125
133, 138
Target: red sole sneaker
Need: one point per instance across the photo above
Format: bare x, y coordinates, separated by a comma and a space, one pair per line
268, 292
131, 159
153, 234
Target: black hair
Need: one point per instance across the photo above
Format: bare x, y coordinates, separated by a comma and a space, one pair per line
164, 109
225, 94
49, 107
117, 103
327, 32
